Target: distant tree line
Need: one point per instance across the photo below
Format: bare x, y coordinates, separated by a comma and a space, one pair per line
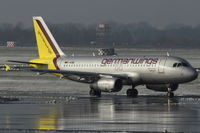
132, 35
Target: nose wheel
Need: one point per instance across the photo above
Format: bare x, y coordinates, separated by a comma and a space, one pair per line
94, 92
132, 93
170, 94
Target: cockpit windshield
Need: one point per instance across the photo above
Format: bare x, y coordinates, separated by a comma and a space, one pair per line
179, 64
184, 64
175, 64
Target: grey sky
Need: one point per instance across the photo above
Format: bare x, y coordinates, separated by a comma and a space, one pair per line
157, 12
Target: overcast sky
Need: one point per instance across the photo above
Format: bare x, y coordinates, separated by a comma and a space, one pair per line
157, 12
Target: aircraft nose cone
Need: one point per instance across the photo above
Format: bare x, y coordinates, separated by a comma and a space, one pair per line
189, 75
193, 74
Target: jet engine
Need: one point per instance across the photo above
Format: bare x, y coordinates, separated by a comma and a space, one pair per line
108, 85
162, 87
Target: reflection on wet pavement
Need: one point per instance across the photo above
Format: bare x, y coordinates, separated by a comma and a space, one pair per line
108, 113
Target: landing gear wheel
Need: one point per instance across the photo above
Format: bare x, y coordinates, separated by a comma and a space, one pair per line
132, 93
91, 92
129, 92
170, 94
95, 93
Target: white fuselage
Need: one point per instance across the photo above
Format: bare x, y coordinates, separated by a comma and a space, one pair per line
139, 69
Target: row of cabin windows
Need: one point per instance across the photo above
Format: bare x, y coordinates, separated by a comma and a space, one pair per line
109, 65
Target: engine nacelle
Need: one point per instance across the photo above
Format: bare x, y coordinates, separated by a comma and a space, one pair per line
162, 87
108, 85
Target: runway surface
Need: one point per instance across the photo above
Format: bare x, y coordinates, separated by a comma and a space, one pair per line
108, 113
47, 104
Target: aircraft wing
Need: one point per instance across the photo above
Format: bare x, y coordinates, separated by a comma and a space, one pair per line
78, 73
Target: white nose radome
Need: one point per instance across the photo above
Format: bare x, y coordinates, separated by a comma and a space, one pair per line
191, 74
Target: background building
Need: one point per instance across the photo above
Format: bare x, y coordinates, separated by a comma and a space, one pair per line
10, 44
102, 34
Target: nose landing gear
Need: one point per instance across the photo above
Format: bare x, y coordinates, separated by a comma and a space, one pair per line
170, 94
132, 93
94, 92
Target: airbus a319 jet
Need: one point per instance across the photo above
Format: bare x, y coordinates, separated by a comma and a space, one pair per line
109, 73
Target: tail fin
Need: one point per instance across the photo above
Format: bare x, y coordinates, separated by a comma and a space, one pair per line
47, 45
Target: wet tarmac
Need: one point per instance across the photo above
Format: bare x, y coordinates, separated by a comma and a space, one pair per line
43, 104
110, 113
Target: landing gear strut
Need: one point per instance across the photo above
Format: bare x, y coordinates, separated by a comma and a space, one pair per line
94, 92
132, 92
170, 94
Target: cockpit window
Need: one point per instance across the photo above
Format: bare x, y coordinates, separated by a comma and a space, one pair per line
175, 64
185, 64
180, 64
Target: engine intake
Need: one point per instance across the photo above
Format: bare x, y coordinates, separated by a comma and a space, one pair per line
108, 85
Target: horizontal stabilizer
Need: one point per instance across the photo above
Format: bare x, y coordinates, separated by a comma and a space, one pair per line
7, 68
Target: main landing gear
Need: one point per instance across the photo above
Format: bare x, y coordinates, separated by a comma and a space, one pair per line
170, 94
132, 92
94, 92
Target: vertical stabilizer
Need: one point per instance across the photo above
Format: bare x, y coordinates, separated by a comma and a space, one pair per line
47, 45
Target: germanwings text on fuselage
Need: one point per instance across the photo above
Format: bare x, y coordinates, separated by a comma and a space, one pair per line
129, 61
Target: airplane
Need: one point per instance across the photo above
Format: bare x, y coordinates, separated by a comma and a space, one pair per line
109, 73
